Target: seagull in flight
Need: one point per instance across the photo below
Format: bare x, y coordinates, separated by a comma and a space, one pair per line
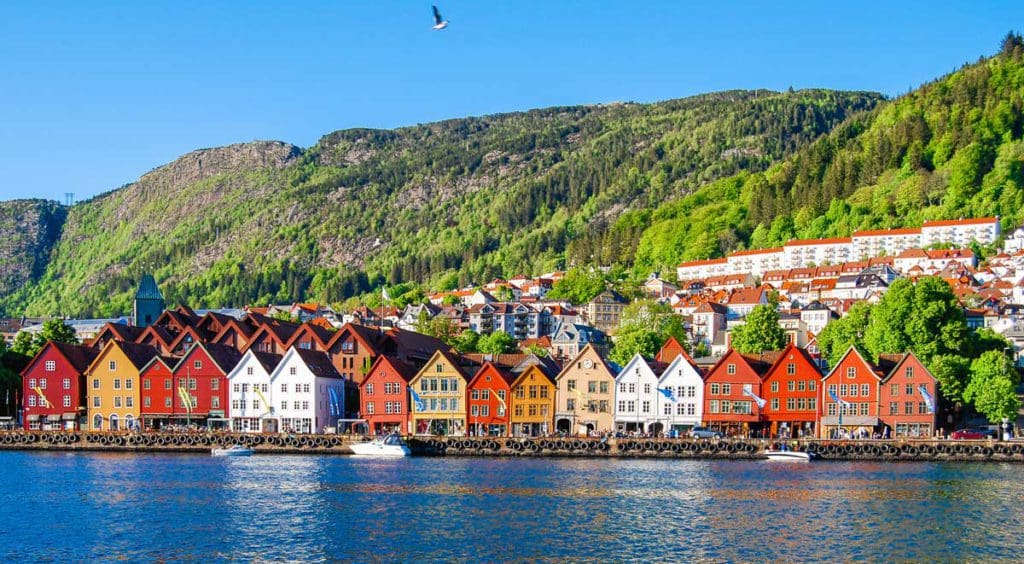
439, 22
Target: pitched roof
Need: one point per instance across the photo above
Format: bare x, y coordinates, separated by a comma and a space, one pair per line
148, 290
961, 221
318, 363
268, 361
80, 356
404, 370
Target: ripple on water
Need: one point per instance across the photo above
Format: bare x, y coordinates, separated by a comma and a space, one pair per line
170, 507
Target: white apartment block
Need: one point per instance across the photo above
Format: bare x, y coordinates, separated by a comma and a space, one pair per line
960, 232
817, 251
888, 242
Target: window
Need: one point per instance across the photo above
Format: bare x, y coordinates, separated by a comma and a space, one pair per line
112, 365
647, 389
812, 385
248, 370
146, 384
296, 405
31, 401
894, 408
714, 389
192, 384
215, 403
775, 386
604, 387
485, 394
167, 383
117, 383
533, 392
51, 365
713, 406
305, 405
812, 404
791, 385
129, 401
438, 367
519, 409
592, 386
474, 411
908, 407
791, 368
67, 383
42, 384
128, 384
851, 372
646, 407
117, 401
865, 390
532, 410
832, 410
922, 408
292, 371
844, 390
284, 406
369, 389
853, 390
485, 411
198, 365
215, 383
775, 404
305, 388
284, 388
864, 407
791, 404
622, 387
894, 389
730, 369
369, 407
571, 385
909, 372
910, 389
543, 392
167, 402
726, 389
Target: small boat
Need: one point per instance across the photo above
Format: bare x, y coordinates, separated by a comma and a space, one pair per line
233, 450
391, 445
790, 455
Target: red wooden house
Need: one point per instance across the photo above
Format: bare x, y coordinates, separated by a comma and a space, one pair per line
235, 334
272, 337
487, 398
352, 349
384, 396
854, 382
53, 387
159, 396
202, 375
729, 388
670, 350
909, 398
115, 332
791, 389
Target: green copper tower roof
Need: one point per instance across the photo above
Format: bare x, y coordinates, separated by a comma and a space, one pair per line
148, 289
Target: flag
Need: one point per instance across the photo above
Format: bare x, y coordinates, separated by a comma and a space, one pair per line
501, 401
748, 390
384, 294
836, 399
420, 405
332, 400
928, 399
186, 398
668, 393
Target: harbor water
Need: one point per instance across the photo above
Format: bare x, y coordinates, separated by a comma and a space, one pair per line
74, 506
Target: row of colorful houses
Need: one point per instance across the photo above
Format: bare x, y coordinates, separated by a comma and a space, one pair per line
777, 393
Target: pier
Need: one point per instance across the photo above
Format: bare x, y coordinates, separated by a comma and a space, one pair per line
735, 449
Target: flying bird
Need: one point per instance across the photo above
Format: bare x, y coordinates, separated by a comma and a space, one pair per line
439, 22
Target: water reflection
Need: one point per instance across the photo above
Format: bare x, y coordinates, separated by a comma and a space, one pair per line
142, 507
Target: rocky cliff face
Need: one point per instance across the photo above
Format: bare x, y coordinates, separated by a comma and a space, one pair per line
28, 231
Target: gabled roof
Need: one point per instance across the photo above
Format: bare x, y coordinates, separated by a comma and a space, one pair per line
864, 361
403, 369
366, 336
138, 355
168, 362
317, 362
783, 356
120, 332
225, 357
589, 349
488, 367
268, 361
672, 345
78, 356
758, 363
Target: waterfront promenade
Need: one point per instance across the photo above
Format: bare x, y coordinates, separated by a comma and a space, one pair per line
826, 449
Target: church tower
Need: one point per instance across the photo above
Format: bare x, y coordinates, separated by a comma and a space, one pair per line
148, 304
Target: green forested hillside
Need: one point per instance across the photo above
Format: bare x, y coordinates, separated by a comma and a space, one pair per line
952, 148
447, 203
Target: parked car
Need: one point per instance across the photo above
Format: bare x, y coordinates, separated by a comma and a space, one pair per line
971, 434
705, 433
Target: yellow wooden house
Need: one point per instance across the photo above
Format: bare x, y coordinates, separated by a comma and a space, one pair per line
438, 393
112, 385
533, 403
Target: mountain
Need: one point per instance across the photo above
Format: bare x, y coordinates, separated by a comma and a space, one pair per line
448, 202
952, 148
28, 231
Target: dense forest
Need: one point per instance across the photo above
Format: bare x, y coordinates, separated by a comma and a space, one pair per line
952, 148
447, 203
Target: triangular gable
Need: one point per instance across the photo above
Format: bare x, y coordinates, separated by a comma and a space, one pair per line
492, 369
81, 363
531, 369
906, 358
359, 333
183, 339
784, 359
676, 364
670, 350
635, 362
588, 350
865, 362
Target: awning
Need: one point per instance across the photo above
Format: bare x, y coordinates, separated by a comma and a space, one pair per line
851, 421
69, 416
33, 418
53, 418
216, 413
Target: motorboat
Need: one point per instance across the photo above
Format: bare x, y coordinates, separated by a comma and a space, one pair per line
233, 450
788, 455
390, 445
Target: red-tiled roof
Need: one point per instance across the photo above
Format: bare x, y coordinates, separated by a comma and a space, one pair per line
953, 222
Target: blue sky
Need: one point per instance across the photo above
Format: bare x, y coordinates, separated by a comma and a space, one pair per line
94, 95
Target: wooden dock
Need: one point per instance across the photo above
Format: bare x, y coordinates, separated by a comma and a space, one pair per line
738, 449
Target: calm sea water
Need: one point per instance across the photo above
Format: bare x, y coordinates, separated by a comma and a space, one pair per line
144, 507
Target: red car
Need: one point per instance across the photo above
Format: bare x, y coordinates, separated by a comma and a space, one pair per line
969, 434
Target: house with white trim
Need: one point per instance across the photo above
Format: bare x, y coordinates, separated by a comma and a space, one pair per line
250, 397
308, 393
685, 382
637, 398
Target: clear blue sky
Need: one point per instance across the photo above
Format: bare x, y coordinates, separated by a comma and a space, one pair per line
92, 96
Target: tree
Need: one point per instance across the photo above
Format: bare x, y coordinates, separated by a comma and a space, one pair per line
467, 341
578, 286
761, 332
925, 318
537, 350
952, 372
992, 388
984, 340
24, 344
440, 326
55, 330
636, 339
837, 337
498, 342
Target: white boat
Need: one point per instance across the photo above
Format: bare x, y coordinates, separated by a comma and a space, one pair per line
789, 455
391, 445
233, 450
